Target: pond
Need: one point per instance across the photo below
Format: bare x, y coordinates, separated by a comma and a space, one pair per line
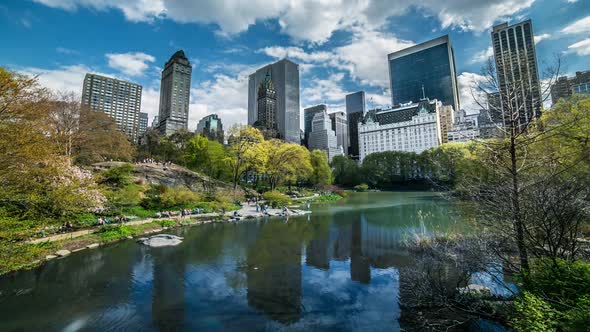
336, 269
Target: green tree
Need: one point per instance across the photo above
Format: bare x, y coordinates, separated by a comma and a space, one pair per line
244, 151
346, 171
322, 173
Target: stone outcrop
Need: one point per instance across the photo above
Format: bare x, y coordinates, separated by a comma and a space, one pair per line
172, 175
161, 240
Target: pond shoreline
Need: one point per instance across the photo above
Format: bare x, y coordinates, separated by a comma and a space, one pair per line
62, 245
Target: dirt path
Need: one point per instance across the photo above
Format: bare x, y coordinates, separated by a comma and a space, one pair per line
247, 211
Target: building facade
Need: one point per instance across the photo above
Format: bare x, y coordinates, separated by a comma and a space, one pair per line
412, 127
285, 79
423, 71
340, 127
143, 123
565, 86
355, 111
175, 94
211, 127
266, 109
322, 137
121, 100
516, 67
308, 114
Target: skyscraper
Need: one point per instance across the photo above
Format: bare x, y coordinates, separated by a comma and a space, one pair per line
285, 79
121, 100
308, 114
143, 123
175, 94
355, 111
266, 108
424, 71
340, 127
211, 127
322, 137
516, 66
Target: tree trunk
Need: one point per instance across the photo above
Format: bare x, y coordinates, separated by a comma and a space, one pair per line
516, 217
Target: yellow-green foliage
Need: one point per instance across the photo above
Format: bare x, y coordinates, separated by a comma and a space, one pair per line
533, 314
110, 233
228, 196
361, 187
178, 197
276, 199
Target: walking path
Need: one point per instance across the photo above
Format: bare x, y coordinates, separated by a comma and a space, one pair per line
246, 212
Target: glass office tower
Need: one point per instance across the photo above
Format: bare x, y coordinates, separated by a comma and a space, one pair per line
424, 71
355, 111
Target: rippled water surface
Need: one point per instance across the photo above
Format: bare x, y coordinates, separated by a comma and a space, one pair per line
337, 269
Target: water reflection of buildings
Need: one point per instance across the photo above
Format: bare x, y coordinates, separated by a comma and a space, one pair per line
364, 243
274, 273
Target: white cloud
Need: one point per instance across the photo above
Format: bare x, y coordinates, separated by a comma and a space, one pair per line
482, 56
131, 64
66, 51
582, 47
296, 53
66, 78
226, 94
542, 37
150, 102
579, 26
468, 93
368, 67
324, 91
366, 56
309, 20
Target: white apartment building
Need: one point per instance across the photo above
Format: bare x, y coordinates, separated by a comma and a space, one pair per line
412, 127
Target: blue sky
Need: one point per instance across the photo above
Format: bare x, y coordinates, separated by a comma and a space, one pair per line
341, 45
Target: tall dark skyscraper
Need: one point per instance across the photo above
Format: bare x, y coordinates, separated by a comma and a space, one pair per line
285, 79
355, 111
266, 108
516, 66
308, 114
423, 71
175, 94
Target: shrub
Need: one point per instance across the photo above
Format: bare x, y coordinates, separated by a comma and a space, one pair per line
84, 219
361, 187
228, 196
110, 233
119, 176
533, 314
179, 197
127, 196
276, 199
139, 211
163, 197
167, 223
561, 281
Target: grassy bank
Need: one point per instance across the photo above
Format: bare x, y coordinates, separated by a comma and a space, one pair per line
17, 255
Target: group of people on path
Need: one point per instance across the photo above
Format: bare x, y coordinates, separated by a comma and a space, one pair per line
117, 219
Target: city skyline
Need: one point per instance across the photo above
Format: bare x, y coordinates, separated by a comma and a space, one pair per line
330, 56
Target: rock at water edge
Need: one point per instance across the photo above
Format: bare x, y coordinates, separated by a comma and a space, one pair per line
63, 253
